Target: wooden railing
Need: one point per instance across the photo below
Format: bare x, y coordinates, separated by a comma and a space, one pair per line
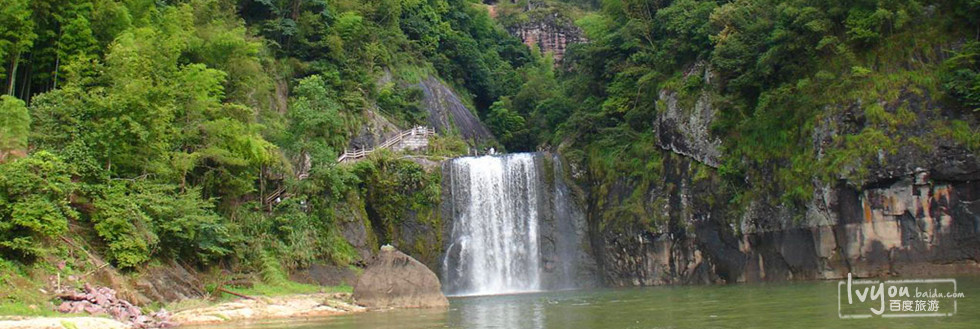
354, 155
275, 194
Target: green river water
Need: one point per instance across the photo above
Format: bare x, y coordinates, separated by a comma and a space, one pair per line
775, 305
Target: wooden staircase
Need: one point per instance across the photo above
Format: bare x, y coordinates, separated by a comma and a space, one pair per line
418, 134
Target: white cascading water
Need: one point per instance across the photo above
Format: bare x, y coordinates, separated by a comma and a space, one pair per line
494, 247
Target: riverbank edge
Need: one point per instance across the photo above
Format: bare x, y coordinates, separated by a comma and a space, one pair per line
259, 308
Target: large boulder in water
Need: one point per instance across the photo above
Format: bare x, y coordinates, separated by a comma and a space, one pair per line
394, 279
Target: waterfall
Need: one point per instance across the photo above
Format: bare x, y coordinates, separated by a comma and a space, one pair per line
495, 239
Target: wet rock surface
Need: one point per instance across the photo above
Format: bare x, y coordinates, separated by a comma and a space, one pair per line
566, 252
393, 279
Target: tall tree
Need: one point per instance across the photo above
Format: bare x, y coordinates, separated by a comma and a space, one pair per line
16, 35
76, 39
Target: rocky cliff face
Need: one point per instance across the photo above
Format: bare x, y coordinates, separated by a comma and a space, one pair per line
546, 27
417, 231
911, 212
444, 110
568, 260
374, 131
915, 225
687, 131
447, 113
916, 214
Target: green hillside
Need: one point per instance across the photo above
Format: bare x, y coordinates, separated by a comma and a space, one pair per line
141, 132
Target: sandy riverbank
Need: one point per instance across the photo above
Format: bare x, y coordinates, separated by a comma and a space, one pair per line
63, 323
262, 308
259, 308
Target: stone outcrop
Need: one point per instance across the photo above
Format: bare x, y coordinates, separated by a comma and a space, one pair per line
417, 232
912, 211
393, 279
374, 131
687, 131
325, 275
169, 283
448, 115
355, 227
548, 28
909, 227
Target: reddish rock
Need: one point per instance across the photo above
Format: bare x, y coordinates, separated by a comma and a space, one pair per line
104, 301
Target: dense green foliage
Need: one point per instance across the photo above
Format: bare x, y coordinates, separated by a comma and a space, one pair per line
962, 75
34, 206
773, 70
394, 188
161, 130
15, 125
207, 131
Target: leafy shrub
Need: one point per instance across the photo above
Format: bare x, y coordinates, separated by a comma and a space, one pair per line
14, 125
187, 226
447, 146
124, 227
402, 104
34, 204
961, 76
393, 187
138, 220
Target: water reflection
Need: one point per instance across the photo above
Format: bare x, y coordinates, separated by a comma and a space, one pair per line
514, 311
796, 305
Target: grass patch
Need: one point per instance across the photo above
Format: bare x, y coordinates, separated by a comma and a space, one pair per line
411, 73
446, 146
287, 288
16, 308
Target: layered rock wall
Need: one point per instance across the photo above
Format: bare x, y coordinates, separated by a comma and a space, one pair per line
912, 211
545, 26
